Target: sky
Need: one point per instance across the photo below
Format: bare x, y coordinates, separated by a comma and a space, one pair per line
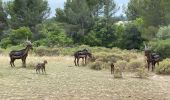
60, 4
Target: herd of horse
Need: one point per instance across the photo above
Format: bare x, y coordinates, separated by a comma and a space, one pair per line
151, 58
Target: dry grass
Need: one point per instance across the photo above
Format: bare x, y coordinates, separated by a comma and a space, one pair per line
64, 81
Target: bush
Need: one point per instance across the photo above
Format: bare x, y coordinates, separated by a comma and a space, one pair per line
118, 72
164, 67
164, 32
96, 65
16, 37
44, 51
161, 47
142, 72
133, 65
31, 65
19, 35
121, 64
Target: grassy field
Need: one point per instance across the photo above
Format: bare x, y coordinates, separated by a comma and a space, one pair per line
64, 81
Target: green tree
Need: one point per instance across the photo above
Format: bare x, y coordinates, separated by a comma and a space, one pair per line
153, 12
131, 38
16, 37
3, 19
27, 12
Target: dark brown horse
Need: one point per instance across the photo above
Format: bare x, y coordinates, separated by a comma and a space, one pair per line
81, 54
20, 54
151, 58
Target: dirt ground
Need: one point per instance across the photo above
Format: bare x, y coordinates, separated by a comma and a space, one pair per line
64, 81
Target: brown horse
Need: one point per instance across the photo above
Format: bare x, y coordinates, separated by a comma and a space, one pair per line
20, 54
151, 58
81, 54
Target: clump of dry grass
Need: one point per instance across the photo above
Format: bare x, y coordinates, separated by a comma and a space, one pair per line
134, 64
96, 65
31, 65
122, 64
142, 72
118, 73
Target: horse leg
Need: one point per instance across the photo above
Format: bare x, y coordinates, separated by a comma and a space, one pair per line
75, 61
42, 70
148, 64
24, 62
11, 62
78, 61
158, 63
85, 60
153, 65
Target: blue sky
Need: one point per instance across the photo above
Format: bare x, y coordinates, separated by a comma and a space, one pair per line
60, 4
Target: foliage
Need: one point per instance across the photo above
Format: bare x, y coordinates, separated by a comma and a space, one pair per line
52, 34
164, 67
27, 12
76, 13
162, 47
96, 65
154, 12
3, 20
131, 38
134, 65
101, 35
163, 32
44, 51
118, 72
142, 72
16, 37
121, 64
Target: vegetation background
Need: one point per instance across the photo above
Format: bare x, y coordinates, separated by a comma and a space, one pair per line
90, 24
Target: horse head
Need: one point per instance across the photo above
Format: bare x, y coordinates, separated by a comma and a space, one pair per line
147, 50
29, 44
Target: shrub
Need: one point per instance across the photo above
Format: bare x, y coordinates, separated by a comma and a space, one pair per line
31, 65
96, 65
121, 64
142, 72
161, 47
44, 51
19, 35
164, 32
164, 67
118, 72
133, 65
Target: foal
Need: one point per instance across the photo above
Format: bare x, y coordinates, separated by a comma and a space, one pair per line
112, 68
41, 66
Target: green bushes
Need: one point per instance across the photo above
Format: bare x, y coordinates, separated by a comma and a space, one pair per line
16, 37
164, 67
161, 47
164, 32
